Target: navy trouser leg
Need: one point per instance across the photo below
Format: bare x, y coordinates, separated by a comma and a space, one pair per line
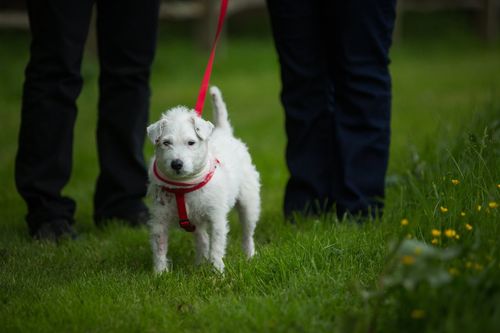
304, 95
358, 66
52, 84
127, 33
336, 95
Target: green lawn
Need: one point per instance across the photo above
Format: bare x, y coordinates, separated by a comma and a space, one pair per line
317, 276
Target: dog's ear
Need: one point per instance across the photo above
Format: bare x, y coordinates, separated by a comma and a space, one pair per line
155, 131
203, 128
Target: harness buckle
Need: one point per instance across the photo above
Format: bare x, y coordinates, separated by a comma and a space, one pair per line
186, 225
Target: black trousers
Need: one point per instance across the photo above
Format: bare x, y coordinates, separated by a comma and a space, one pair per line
126, 32
336, 92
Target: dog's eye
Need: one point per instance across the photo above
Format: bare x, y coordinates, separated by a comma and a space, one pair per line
191, 142
167, 142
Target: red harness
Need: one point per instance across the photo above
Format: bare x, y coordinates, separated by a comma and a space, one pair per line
180, 189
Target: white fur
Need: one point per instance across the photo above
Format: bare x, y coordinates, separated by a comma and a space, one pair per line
235, 182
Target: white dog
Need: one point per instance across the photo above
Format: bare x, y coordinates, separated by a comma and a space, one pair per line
198, 174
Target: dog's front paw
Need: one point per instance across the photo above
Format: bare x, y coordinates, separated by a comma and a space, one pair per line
251, 254
160, 269
218, 265
162, 266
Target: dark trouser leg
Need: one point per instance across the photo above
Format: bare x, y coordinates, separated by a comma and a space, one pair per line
358, 58
52, 84
305, 89
126, 39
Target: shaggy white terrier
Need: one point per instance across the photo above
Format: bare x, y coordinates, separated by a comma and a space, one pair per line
191, 152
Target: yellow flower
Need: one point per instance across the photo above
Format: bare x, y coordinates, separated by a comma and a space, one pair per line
443, 209
418, 314
468, 227
457, 236
436, 232
455, 181
450, 233
479, 208
462, 214
498, 185
493, 204
435, 241
404, 222
453, 271
408, 260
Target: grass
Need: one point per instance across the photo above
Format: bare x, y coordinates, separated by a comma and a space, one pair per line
317, 276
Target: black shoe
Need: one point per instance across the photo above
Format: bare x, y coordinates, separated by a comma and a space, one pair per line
54, 231
134, 220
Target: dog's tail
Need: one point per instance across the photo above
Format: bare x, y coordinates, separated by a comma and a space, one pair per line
221, 119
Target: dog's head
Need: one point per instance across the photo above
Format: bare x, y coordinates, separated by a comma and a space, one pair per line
181, 140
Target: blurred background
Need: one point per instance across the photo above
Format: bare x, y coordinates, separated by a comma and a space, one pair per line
445, 67
203, 13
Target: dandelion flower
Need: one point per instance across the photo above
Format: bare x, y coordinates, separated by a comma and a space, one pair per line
468, 227
457, 236
493, 204
453, 271
418, 314
404, 222
408, 260
462, 214
443, 209
498, 185
436, 232
435, 241
479, 208
450, 233
455, 181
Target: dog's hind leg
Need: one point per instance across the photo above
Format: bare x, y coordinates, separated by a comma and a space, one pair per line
249, 211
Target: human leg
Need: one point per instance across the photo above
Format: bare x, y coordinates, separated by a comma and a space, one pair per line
305, 89
52, 84
361, 35
126, 40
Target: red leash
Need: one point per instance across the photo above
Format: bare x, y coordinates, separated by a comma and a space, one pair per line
208, 71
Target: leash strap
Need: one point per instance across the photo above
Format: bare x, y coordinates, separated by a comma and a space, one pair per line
184, 222
208, 71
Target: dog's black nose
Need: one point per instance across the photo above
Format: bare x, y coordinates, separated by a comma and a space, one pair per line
176, 164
